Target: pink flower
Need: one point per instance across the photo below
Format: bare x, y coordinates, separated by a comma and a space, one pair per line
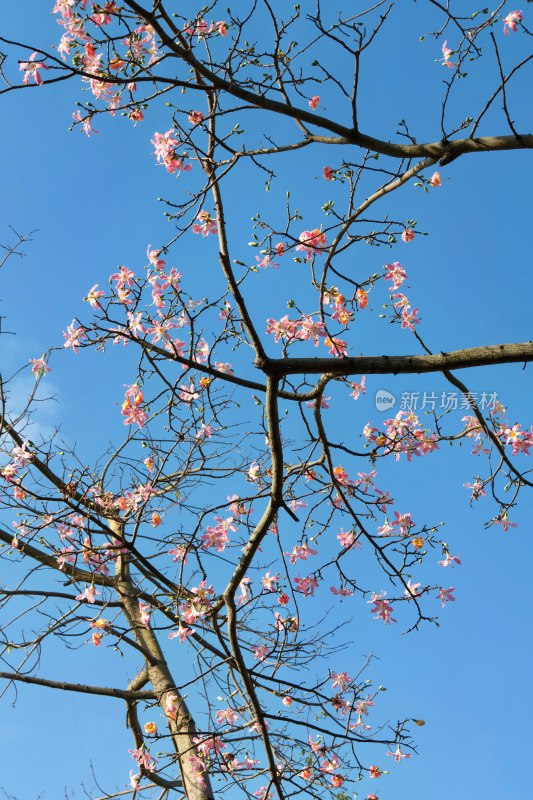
85, 123
145, 611
261, 652
143, 758
287, 701
382, 609
222, 27
358, 388
227, 715
435, 179
206, 225
374, 772
328, 173
195, 117
73, 336
445, 595
450, 560
31, 69
306, 585
408, 235
396, 274
341, 592
504, 522
314, 101
312, 242
511, 21
182, 633
39, 367
268, 582
165, 152
88, 594
136, 115
171, 707
446, 53
188, 393
362, 297
398, 755
93, 296
412, 590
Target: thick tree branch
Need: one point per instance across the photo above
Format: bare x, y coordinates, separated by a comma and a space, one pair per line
402, 365
105, 691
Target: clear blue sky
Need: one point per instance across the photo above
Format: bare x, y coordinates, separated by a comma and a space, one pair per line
93, 205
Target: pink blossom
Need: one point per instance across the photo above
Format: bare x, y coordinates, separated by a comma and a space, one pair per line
179, 552
39, 367
306, 585
206, 224
227, 715
165, 152
261, 652
300, 552
132, 409
182, 633
143, 758
136, 115
188, 393
171, 706
477, 489
153, 257
312, 242
21, 455
412, 590
88, 594
398, 755
341, 679
328, 173
93, 296
124, 277
362, 297
446, 53
341, 592
31, 69
382, 608
362, 706
511, 21
195, 117
144, 612
450, 560
314, 101
347, 539
73, 336
337, 347
409, 318
446, 595
504, 522
358, 388
287, 701
408, 235
268, 582
253, 472
85, 122
396, 274
435, 179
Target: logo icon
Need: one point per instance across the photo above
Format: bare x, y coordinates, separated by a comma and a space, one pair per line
384, 400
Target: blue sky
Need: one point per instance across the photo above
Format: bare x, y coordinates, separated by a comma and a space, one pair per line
93, 205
